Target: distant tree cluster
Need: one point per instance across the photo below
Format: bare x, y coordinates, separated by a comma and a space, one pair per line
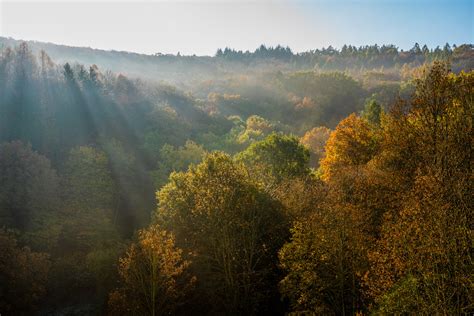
278, 52
351, 56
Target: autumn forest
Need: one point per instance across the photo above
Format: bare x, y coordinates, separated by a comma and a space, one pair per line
266, 182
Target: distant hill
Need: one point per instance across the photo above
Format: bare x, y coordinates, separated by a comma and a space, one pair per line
178, 69
132, 64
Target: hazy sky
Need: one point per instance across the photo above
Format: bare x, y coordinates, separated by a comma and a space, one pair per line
200, 27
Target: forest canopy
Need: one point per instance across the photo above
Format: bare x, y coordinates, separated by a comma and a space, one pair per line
331, 182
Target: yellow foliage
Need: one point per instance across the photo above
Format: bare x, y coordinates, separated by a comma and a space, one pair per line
352, 143
153, 274
315, 139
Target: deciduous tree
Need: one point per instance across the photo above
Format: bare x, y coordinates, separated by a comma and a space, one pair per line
221, 214
154, 276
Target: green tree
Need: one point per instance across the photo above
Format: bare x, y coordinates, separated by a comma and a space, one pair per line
176, 159
133, 187
87, 179
23, 276
29, 195
220, 214
89, 240
276, 158
372, 112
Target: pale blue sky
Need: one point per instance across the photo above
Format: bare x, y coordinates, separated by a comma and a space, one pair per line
200, 27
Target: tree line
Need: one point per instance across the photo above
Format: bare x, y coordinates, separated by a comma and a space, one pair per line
183, 71
349, 56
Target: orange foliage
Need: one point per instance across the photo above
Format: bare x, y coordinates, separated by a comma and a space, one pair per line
353, 143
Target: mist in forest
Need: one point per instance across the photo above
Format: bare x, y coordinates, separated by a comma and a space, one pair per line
264, 162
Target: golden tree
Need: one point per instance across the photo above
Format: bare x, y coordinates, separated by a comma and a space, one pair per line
352, 144
154, 276
423, 261
325, 260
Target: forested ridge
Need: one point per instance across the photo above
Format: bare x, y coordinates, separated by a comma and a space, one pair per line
332, 182
185, 70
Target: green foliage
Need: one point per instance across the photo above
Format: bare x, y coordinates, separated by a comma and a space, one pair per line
88, 180
383, 226
257, 128
276, 157
176, 159
323, 99
29, 193
241, 135
372, 112
219, 214
134, 188
28, 184
88, 239
23, 276
402, 299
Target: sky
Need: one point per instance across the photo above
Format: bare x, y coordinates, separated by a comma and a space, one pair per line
201, 27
